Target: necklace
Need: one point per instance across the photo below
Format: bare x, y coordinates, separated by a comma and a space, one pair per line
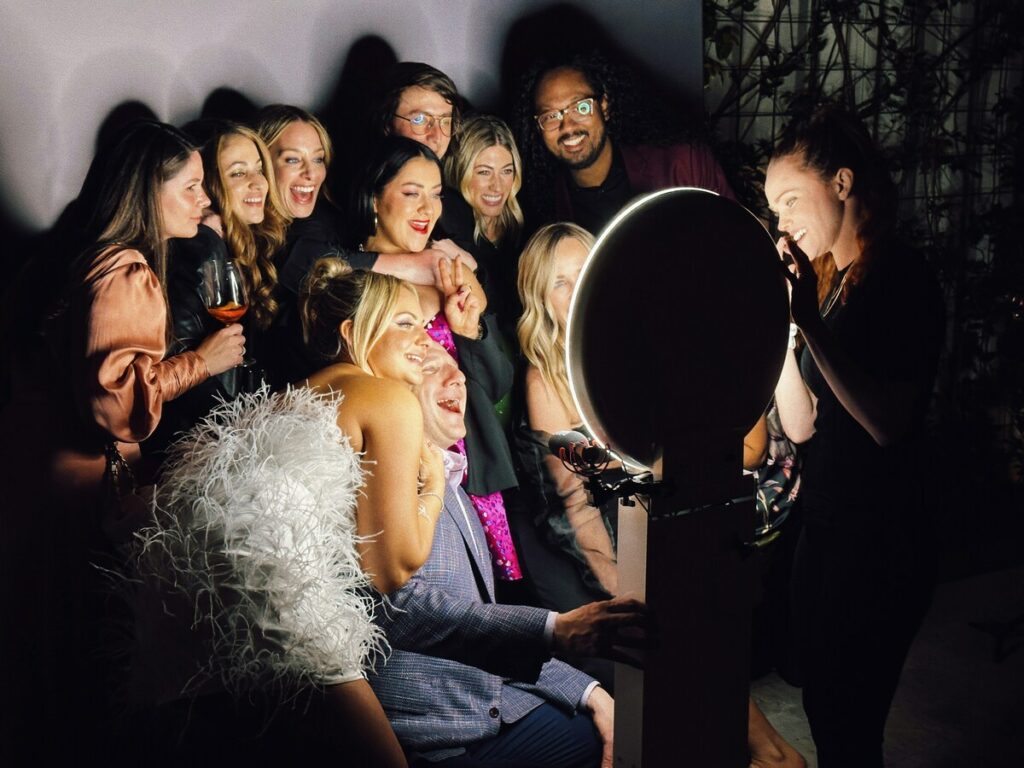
835, 294
831, 302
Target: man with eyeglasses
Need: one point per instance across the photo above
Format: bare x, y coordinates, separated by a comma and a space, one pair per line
419, 102
570, 124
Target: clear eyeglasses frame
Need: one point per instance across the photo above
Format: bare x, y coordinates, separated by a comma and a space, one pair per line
580, 112
423, 123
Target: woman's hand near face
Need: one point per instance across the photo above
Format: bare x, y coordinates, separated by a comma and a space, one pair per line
464, 299
452, 251
431, 475
214, 222
223, 349
803, 282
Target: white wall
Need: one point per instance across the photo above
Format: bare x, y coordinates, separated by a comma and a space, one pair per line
64, 64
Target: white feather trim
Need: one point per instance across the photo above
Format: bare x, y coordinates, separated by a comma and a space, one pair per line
255, 529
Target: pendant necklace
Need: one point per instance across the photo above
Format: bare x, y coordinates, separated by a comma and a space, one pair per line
835, 294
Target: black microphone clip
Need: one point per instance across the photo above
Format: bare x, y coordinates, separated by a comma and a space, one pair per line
578, 453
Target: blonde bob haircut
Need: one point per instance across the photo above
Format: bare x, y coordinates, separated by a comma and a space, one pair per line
477, 134
334, 292
541, 337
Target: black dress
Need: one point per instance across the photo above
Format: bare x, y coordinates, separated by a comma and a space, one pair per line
497, 264
488, 379
317, 236
864, 572
557, 567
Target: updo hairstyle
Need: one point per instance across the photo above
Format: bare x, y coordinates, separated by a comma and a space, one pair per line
334, 292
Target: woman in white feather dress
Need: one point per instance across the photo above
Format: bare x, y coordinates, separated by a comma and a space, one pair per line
275, 517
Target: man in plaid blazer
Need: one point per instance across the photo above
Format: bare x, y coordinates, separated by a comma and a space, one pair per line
469, 681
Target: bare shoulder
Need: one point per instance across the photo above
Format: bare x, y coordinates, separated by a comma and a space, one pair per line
384, 394
537, 389
544, 408
387, 412
368, 404
371, 400
533, 377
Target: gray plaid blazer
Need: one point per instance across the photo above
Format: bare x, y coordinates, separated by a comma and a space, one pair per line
461, 664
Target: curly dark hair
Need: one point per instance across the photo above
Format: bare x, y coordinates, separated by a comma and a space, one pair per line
635, 116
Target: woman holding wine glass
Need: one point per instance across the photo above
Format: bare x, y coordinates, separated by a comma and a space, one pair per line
86, 337
226, 272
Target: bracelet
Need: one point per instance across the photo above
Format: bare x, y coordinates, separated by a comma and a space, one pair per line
422, 509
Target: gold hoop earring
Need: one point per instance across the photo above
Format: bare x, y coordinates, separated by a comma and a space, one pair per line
374, 221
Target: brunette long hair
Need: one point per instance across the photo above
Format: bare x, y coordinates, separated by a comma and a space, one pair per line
119, 202
118, 208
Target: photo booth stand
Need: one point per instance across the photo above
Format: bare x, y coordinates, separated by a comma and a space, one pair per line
677, 334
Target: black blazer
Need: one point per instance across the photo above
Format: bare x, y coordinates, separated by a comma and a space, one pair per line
489, 375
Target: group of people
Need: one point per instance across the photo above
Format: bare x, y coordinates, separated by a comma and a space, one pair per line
417, 307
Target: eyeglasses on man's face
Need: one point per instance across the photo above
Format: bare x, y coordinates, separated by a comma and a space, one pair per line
423, 123
580, 112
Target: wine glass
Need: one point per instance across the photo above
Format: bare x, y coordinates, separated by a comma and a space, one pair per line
225, 294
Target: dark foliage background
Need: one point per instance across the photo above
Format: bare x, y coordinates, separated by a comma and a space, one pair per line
938, 82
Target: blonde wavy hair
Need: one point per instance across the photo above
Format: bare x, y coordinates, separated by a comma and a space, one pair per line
274, 118
334, 292
271, 121
253, 246
477, 134
541, 338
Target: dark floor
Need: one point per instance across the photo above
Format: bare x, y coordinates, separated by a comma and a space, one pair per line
956, 706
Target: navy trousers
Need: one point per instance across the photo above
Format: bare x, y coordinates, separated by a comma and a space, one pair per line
547, 736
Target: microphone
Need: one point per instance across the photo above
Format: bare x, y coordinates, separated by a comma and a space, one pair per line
574, 448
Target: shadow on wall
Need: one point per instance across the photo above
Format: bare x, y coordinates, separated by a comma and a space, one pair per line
560, 29
226, 103
344, 113
119, 118
559, 32
17, 241
15, 244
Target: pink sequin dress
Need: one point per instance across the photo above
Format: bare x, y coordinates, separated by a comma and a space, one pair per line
490, 508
